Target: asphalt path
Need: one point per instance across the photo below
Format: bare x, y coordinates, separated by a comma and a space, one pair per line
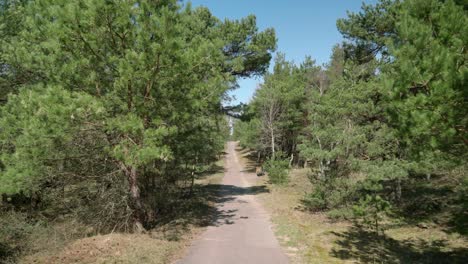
242, 232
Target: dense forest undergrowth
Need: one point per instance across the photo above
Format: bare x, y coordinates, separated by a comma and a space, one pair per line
68, 240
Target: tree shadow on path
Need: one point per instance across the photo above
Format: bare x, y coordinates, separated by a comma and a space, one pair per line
202, 209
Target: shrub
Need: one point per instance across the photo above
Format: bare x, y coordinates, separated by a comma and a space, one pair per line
14, 230
316, 200
460, 217
332, 193
277, 170
345, 213
371, 211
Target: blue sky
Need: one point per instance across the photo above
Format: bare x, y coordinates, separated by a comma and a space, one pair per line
303, 27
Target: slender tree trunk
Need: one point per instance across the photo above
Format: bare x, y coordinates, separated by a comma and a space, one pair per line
193, 176
192, 180
137, 207
272, 144
398, 190
98, 90
322, 169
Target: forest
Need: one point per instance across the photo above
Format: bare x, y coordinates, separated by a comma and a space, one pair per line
111, 111
387, 112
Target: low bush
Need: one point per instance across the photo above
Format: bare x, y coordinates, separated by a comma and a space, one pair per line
14, 231
277, 170
333, 193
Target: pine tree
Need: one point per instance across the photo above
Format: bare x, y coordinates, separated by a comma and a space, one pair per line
159, 70
428, 78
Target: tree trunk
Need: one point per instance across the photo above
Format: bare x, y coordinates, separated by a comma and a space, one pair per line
398, 190
193, 176
322, 170
272, 144
137, 207
192, 181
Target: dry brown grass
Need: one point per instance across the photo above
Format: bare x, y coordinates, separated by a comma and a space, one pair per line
313, 238
306, 237
112, 248
164, 244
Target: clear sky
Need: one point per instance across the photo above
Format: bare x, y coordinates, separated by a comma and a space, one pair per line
303, 27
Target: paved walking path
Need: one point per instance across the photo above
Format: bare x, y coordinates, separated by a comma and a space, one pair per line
242, 234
